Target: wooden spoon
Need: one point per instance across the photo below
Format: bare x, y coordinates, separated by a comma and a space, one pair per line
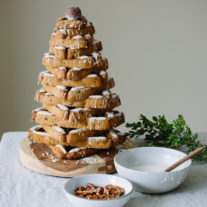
187, 157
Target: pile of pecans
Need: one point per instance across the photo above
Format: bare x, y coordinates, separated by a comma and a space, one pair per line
97, 192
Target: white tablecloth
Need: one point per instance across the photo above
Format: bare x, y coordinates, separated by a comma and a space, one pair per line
20, 187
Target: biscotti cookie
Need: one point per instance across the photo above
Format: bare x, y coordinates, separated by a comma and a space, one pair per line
38, 134
58, 151
93, 61
106, 122
71, 94
91, 81
106, 100
67, 53
54, 135
81, 62
70, 53
63, 33
79, 73
61, 152
74, 94
99, 142
127, 143
73, 136
75, 42
75, 53
76, 73
95, 46
64, 23
60, 72
64, 112
77, 153
43, 97
69, 136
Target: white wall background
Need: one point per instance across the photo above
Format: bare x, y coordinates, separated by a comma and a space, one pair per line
157, 52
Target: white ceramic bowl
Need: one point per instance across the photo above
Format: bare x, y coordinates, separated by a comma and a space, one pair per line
100, 180
152, 182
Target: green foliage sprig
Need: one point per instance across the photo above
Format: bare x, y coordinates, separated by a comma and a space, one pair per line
159, 132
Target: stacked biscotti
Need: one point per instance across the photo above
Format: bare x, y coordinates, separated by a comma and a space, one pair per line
78, 116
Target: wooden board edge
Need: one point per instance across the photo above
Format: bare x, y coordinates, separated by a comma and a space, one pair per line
29, 160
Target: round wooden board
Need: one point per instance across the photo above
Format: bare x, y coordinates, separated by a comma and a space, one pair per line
33, 156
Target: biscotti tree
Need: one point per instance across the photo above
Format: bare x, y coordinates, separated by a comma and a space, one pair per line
78, 117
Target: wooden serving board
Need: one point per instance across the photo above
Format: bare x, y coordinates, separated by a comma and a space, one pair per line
33, 156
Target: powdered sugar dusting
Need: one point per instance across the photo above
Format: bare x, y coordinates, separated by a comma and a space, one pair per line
97, 118
90, 139
53, 159
62, 148
62, 107
78, 109
63, 31
95, 55
113, 134
42, 90
35, 130
83, 57
61, 87
38, 109
77, 149
77, 37
44, 113
103, 72
87, 36
106, 92
76, 68
60, 48
45, 73
95, 96
77, 88
89, 160
76, 130
58, 129
92, 76
47, 55
110, 115
62, 68
48, 94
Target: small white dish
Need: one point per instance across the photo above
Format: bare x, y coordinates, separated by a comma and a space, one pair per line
100, 180
152, 182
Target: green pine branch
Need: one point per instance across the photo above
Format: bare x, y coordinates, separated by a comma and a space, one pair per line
159, 132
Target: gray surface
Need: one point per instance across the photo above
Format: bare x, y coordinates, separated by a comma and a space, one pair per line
22, 187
